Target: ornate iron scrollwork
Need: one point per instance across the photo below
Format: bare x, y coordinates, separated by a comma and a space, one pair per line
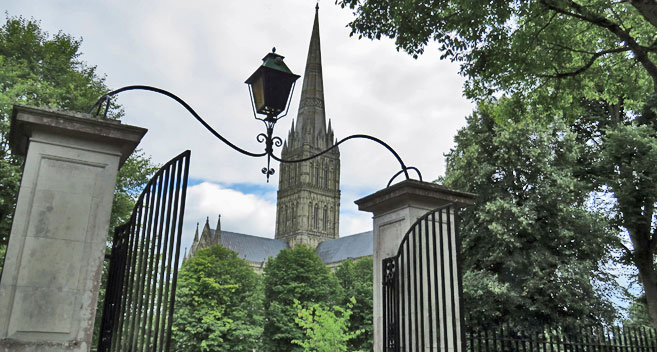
391, 269
268, 138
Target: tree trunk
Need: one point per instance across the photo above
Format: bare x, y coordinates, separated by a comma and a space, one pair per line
644, 261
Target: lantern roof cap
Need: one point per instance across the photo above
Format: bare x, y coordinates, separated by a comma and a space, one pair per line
272, 61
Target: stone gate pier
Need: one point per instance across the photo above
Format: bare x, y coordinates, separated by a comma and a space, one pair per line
54, 262
395, 210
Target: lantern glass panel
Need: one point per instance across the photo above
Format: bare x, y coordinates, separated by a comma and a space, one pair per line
258, 90
277, 91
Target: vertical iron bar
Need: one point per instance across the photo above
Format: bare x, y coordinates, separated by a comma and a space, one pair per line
161, 251
162, 299
402, 282
451, 275
127, 286
164, 196
397, 302
430, 310
169, 259
175, 267
419, 254
642, 339
494, 332
134, 289
415, 305
143, 269
384, 299
459, 270
443, 289
145, 335
436, 296
408, 286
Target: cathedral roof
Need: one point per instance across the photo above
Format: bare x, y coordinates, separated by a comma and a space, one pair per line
257, 249
339, 249
251, 248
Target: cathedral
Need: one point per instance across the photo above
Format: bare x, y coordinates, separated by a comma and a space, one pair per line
308, 200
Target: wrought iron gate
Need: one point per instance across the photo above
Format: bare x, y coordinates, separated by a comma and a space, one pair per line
141, 284
422, 288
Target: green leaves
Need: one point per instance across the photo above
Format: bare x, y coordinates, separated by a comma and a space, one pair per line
326, 330
530, 247
355, 277
603, 50
294, 274
218, 304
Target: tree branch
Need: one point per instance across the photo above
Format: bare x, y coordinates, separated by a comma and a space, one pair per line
647, 9
628, 252
592, 60
581, 13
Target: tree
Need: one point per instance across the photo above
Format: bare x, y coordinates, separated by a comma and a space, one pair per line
40, 70
602, 49
326, 330
294, 274
355, 278
565, 57
620, 151
218, 304
638, 314
37, 70
533, 254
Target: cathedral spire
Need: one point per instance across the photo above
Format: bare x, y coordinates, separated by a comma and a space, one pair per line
311, 118
308, 199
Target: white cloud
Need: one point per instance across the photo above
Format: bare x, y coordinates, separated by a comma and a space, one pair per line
240, 212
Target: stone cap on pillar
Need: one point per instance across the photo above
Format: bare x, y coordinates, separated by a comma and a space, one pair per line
27, 119
407, 192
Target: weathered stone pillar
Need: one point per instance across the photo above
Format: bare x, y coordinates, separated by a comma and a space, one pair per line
49, 285
394, 210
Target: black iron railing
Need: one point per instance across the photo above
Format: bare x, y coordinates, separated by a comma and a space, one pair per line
592, 339
141, 284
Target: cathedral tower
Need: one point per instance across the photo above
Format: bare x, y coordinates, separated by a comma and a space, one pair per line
308, 206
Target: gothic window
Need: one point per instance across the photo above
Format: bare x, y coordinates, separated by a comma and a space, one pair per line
311, 172
287, 217
294, 174
325, 219
326, 174
310, 214
316, 218
317, 174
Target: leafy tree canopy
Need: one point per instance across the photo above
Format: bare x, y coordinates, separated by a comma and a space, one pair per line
533, 255
294, 274
620, 149
355, 278
218, 304
326, 330
43, 70
556, 49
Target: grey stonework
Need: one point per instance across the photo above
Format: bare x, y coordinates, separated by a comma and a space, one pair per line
54, 262
308, 205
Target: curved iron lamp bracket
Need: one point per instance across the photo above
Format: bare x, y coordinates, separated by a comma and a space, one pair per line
268, 138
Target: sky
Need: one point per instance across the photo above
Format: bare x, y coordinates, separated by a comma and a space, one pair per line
203, 51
